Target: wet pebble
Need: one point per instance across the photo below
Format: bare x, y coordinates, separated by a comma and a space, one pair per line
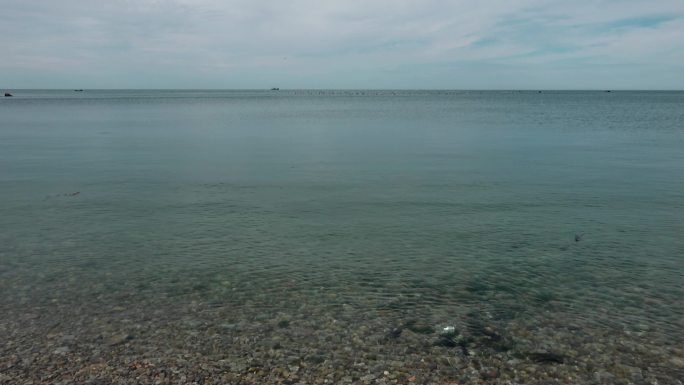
119, 339
61, 350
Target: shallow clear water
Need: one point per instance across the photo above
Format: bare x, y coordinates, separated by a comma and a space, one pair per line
311, 218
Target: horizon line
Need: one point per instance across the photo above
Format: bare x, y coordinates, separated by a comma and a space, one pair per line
350, 89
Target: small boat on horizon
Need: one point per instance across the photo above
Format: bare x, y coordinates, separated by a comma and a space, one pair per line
7, 94
275, 89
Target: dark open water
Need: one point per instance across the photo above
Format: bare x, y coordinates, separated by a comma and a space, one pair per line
312, 236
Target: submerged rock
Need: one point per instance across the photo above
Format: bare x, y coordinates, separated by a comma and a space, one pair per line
546, 357
395, 333
419, 328
446, 341
677, 362
604, 377
284, 324
119, 339
61, 350
448, 338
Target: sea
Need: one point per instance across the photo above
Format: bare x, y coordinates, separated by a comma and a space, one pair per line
341, 236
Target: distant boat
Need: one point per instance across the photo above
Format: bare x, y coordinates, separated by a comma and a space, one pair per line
7, 94
78, 90
275, 89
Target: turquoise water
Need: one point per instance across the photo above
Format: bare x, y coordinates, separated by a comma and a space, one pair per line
373, 209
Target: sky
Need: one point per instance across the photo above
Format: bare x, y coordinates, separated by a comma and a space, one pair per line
369, 44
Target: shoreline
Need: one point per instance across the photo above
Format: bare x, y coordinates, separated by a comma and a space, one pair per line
304, 335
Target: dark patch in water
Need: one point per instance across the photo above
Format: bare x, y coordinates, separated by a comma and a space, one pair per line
446, 341
464, 348
200, 287
546, 357
544, 296
283, 324
415, 327
315, 359
477, 286
395, 333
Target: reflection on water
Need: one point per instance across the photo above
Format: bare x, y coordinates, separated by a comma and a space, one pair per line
313, 236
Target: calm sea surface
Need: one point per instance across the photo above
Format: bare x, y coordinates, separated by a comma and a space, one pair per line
315, 229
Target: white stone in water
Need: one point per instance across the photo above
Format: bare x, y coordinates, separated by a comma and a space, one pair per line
677, 361
448, 330
61, 350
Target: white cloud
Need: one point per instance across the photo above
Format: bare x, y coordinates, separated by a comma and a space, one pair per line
245, 43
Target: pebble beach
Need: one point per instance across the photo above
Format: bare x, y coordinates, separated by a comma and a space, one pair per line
217, 331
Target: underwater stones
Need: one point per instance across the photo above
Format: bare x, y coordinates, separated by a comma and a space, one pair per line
495, 341
677, 362
546, 357
238, 366
476, 335
604, 377
394, 333
422, 329
447, 338
544, 296
119, 339
419, 328
61, 350
284, 324
477, 287
200, 287
240, 344
315, 359
489, 374
446, 341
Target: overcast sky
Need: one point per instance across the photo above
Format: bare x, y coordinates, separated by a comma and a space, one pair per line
497, 44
